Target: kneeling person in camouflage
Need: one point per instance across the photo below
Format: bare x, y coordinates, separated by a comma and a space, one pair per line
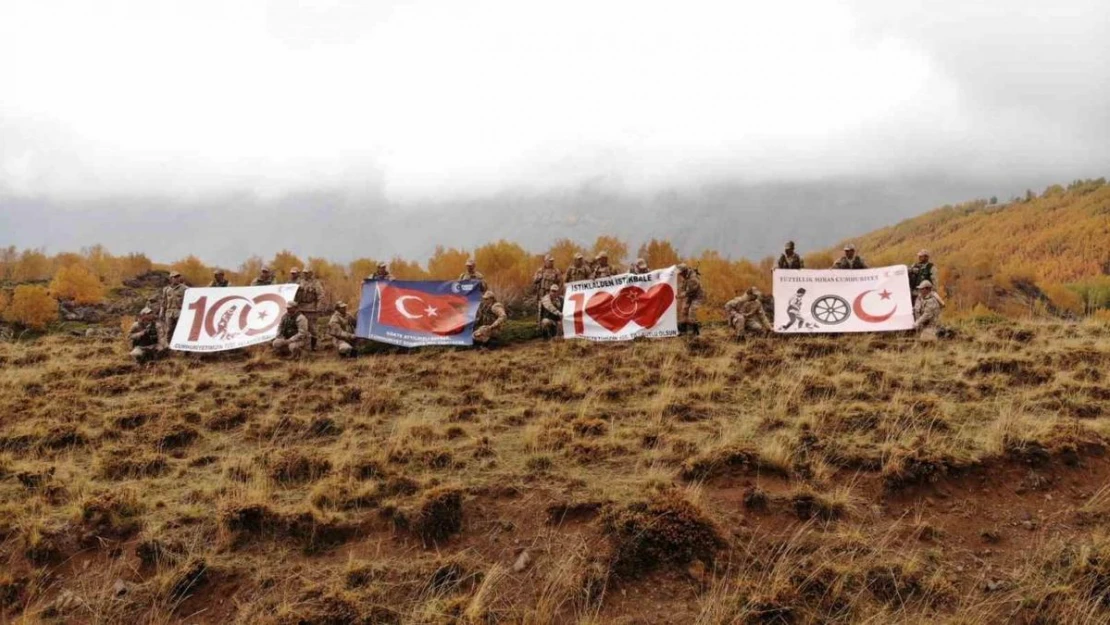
293, 335
148, 337
745, 312
489, 319
551, 313
926, 312
341, 328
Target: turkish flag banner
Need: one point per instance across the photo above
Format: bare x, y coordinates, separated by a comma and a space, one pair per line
820, 301
621, 308
417, 313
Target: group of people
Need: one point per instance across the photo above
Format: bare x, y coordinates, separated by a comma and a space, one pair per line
297, 329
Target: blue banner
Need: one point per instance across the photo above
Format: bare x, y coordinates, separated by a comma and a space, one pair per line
418, 313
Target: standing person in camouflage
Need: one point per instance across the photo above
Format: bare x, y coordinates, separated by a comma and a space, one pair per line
745, 312
922, 271
789, 259
341, 329
472, 273
602, 268
310, 296
489, 319
926, 312
148, 337
294, 276
265, 278
382, 274
219, 279
293, 335
551, 313
543, 279
169, 305
579, 270
850, 260
690, 297
639, 267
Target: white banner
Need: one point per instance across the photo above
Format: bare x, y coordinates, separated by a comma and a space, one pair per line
621, 308
842, 300
218, 319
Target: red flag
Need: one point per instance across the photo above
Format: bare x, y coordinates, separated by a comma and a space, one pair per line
421, 311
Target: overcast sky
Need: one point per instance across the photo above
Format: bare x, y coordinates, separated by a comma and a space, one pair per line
434, 99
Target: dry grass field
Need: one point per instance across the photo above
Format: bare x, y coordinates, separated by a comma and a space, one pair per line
854, 479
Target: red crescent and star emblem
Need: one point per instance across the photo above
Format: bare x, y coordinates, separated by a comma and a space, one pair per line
863, 315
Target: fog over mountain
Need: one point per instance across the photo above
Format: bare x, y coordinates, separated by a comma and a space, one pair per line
346, 129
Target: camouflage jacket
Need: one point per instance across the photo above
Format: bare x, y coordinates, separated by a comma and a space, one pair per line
690, 290
792, 261
604, 271
152, 334
492, 315
293, 328
921, 272
172, 297
341, 326
855, 262
551, 307
636, 270
310, 294
926, 311
545, 277
576, 273
477, 275
260, 281
382, 277
218, 283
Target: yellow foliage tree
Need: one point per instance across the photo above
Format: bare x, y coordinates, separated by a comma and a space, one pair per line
658, 253
406, 269
361, 268
31, 307
32, 265
447, 263
617, 249
508, 268
249, 269
195, 272
563, 251
134, 265
76, 283
281, 264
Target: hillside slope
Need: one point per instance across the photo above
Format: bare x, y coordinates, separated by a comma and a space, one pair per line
1057, 240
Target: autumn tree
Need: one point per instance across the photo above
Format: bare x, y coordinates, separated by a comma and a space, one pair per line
32, 265
563, 251
508, 269
406, 269
281, 264
250, 268
658, 253
134, 265
362, 268
447, 263
78, 284
617, 249
195, 272
31, 307
9, 256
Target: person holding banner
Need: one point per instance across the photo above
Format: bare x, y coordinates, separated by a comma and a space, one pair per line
489, 319
472, 273
219, 279
745, 312
341, 329
551, 313
850, 260
148, 337
265, 278
602, 268
690, 297
382, 274
293, 333
169, 306
640, 267
578, 271
789, 259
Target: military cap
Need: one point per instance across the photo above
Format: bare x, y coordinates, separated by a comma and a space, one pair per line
488, 295
925, 284
789, 245
603, 254
578, 256
553, 288
175, 274
341, 305
295, 270
641, 262
382, 265
292, 304
549, 258
681, 267
470, 262
849, 248
146, 311
312, 271
265, 270
923, 253
753, 291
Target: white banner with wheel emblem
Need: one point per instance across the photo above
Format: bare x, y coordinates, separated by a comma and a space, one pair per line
817, 301
218, 319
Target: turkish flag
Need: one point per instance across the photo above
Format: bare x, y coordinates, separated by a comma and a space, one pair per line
411, 309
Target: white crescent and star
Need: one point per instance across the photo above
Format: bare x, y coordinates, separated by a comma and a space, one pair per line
429, 311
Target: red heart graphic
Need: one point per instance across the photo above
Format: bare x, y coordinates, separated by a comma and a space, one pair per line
630, 304
653, 304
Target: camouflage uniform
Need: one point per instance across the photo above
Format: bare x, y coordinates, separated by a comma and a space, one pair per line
310, 296
639, 267
148, 337
169, 306
473, 274
922, 271
382, 274
551, 313
926, 312
341, 328
264, 279
790, 260
489, 319
603, 269
578, 271
218, 280
855, 262
690, 297
293, 334
745, 312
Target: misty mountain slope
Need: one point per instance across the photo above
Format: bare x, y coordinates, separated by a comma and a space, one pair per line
1061, 236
